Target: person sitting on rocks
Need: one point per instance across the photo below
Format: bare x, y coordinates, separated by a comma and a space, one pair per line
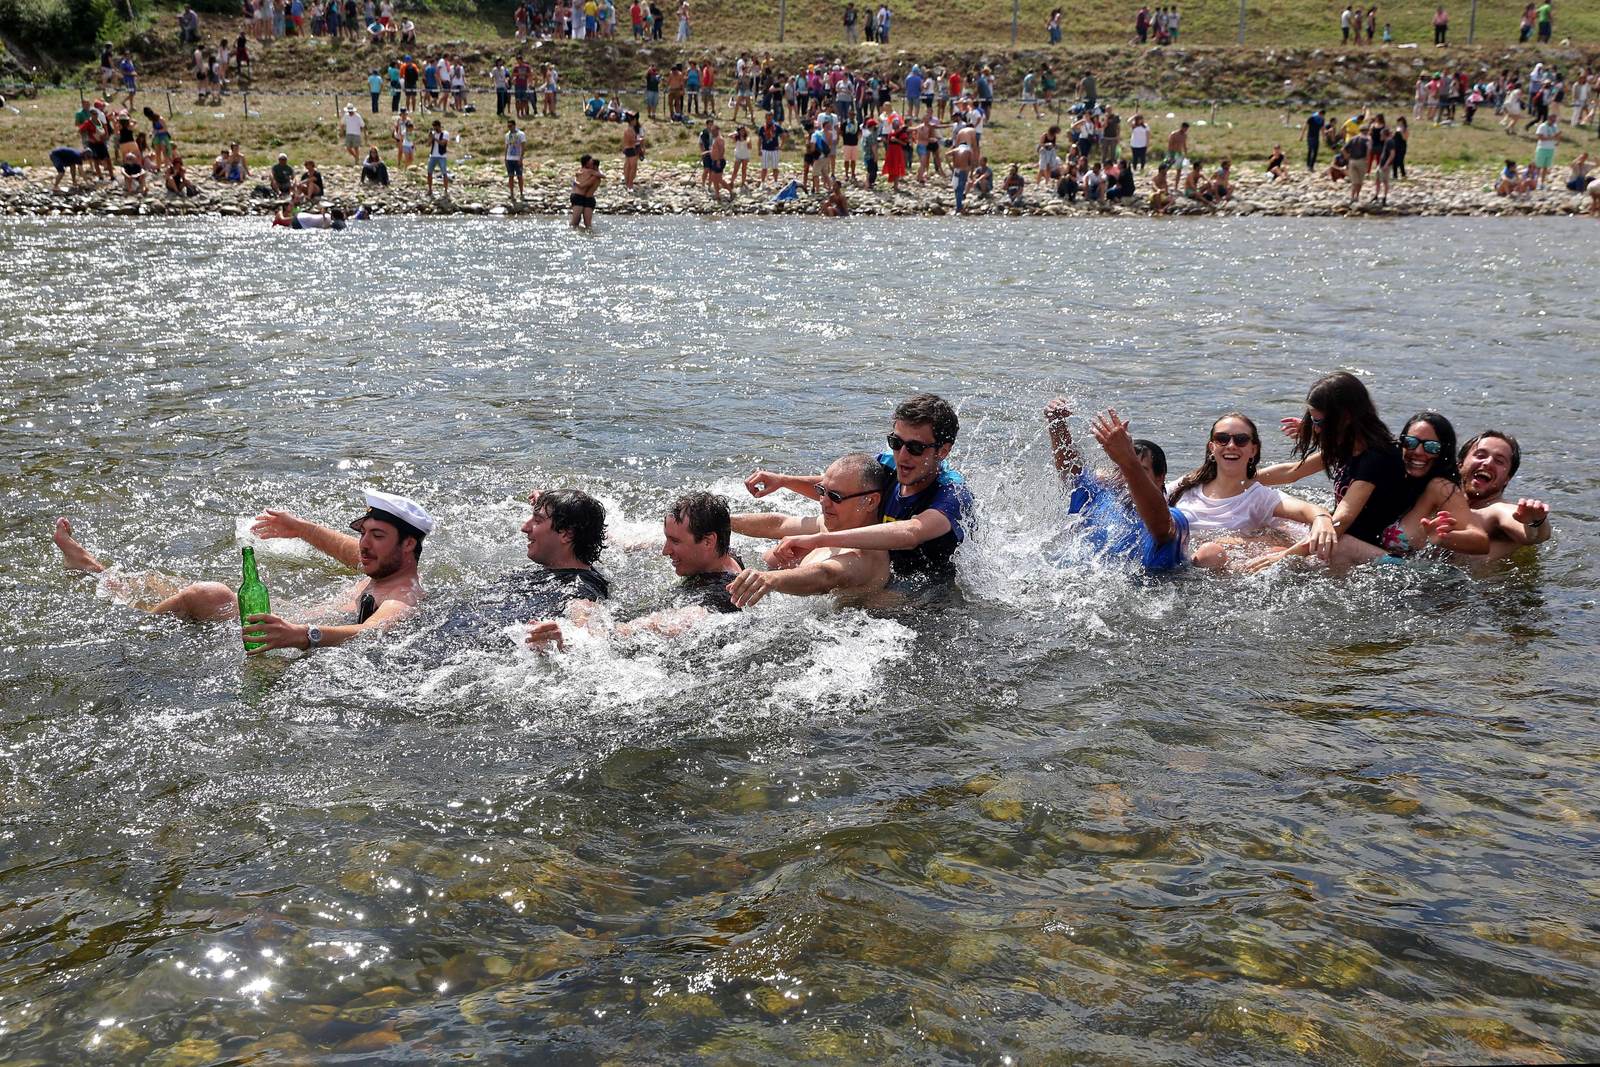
983, 178
1275, 163
1222, 183
374, 171
1193, 189
1014, 185
836, 206
1578, 173
310, 188
281, 178
1340, 168
178, 177
1161, 193
219, 166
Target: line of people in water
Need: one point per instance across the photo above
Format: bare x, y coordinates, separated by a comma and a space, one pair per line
905, 512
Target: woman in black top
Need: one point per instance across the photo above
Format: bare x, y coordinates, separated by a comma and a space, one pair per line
1342, 434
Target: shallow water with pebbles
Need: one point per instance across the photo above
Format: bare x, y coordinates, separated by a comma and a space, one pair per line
1051, 813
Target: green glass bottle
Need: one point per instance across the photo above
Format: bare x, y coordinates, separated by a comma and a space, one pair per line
252, 596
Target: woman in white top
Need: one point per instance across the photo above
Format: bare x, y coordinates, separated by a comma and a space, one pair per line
1224, 503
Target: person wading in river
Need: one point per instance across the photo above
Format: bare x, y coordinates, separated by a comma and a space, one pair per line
1488, 462
386, 549
851, 491
925, 518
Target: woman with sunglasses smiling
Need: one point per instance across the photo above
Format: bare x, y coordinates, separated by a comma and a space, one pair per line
1442, 514
1223, 501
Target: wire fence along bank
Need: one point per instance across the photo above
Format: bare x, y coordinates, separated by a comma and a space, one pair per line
1060, 105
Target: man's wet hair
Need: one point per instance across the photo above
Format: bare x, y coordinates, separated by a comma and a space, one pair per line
1158, 458
865, 467
1516, 449
926, 409
704, 513
572, 511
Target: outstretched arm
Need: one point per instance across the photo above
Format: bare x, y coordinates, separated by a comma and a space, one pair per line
1284, 473
1069, 464
884, 537
272, 524
1528, 523
1112, 433
773, 525
809, 579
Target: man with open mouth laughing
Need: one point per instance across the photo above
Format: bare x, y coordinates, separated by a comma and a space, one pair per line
1488, 462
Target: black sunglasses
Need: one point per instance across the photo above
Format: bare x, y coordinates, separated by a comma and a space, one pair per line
838, 497
1240, 439
916, 448
1410, 441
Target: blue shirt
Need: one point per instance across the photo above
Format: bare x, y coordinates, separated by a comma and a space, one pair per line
1113, 527
913, 86
948, 494
375, 83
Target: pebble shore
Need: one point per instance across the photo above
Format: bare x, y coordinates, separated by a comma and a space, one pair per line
674, 189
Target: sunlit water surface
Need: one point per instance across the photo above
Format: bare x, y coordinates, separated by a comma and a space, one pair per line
1055, 813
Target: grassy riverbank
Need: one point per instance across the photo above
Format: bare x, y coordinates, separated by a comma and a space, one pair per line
306, 127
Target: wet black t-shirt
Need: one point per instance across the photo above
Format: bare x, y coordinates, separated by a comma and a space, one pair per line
1391, 497
709, 591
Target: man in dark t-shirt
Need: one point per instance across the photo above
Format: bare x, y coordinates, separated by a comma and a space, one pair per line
697, 529
927, 515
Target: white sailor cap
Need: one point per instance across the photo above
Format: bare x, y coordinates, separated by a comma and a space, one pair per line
396, 510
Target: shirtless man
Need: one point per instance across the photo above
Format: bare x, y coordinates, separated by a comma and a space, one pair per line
835, 206
1488, 462
386, 550
717, 164
584, 185
960, 169
1178, 144
851, 492
926, 136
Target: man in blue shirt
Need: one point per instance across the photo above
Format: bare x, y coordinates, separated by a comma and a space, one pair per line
1124, 515
926, 517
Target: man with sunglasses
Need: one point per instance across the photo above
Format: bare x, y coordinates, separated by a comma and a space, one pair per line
1488, 463
851, 491
386, 551
926, 516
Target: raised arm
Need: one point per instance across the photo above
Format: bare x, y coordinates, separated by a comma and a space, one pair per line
1069, 463
1284, 473
1528, 523
1112, 433
272, 524
763, 483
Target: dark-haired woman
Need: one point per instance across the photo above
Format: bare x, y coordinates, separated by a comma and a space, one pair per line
1222, 499
1441, 514
1342, 434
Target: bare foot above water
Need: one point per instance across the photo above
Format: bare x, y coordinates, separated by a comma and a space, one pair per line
74, 555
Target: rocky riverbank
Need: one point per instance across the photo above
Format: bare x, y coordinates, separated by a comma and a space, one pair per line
675, 190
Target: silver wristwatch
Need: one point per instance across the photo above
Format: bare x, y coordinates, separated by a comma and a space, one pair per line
313, 636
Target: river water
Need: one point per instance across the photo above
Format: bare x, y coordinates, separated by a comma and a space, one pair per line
1054, 814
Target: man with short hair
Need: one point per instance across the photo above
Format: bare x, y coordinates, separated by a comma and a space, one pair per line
851, 492
515, 139
281, 177
927, 515
1488, 463
697, 530
386, 551
1124, 514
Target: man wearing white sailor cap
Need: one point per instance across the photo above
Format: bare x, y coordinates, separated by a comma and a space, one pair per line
386, 550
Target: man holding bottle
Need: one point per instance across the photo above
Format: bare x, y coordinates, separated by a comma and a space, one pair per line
388, 541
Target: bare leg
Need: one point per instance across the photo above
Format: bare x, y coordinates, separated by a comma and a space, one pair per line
74, 555
202, 601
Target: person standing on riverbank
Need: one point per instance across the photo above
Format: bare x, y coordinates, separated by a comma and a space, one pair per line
515, 142
355, 128
1544, 154
438, 156
1312, 129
